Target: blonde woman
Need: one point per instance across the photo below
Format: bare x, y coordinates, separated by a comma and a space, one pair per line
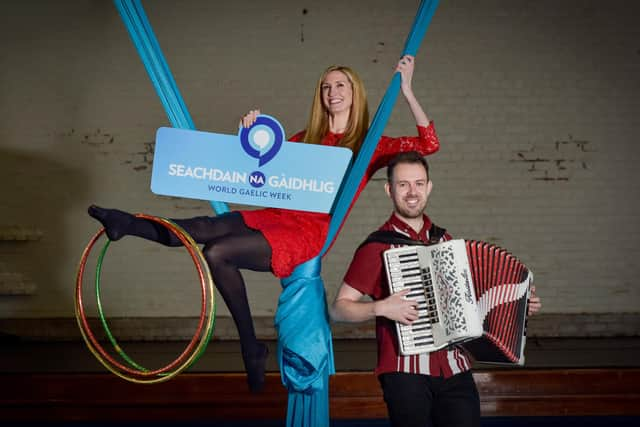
278, 240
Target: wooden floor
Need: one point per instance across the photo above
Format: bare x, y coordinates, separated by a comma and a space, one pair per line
353, 395
350, 355
62, 382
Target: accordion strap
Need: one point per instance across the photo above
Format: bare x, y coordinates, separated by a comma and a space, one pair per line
394, 238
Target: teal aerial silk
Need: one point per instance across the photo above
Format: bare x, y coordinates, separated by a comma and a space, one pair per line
305, 350
354, 176
145, 41
304, 336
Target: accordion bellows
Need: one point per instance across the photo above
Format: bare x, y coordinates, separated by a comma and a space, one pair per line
469, 292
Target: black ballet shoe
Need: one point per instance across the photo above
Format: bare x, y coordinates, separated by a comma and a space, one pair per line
255, 364
115, 222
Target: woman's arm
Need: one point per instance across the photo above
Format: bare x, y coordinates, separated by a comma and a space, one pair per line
405, 67
425, 143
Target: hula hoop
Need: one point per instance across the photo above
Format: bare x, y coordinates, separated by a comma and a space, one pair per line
124, 368
108, 361
196, 346
102, 318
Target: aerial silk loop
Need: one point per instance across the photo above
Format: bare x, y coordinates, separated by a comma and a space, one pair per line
145, 41
304, 338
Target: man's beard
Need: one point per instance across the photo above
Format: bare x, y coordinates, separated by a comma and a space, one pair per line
411, 213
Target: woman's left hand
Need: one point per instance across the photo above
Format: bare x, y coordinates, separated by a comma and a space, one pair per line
405, 68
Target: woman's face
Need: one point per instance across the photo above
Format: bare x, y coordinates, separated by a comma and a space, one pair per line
337, 92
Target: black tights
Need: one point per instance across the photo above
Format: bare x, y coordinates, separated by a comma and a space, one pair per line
229, 245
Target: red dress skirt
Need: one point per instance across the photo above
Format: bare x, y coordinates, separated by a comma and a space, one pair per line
297, 236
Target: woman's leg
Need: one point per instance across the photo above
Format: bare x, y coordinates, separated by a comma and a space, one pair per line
202, 229
225, 256
229, 246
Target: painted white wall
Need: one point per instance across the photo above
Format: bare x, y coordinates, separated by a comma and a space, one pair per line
537, 105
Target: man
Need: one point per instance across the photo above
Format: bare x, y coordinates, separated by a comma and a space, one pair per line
430, 389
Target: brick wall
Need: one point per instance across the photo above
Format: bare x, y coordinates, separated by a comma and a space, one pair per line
537, 105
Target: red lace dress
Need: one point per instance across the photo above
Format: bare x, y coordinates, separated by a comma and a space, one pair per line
296, 236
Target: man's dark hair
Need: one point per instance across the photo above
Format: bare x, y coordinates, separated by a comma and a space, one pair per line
406, 157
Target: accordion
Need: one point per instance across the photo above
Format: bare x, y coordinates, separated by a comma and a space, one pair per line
466, 291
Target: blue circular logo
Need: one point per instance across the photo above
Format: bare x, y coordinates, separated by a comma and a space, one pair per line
257, 179
263, 139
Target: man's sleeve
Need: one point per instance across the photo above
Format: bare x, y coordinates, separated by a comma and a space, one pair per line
366, 271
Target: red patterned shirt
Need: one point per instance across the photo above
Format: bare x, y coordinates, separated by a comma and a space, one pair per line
367, 275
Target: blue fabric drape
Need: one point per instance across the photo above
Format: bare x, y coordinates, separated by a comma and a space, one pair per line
354, 176
306, 361
305, 343
145, 41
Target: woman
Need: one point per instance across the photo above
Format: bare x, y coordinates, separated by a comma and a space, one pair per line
278, 240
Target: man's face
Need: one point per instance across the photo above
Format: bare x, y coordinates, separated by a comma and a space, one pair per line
409, 190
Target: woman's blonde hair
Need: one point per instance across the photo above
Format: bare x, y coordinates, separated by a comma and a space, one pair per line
318, 125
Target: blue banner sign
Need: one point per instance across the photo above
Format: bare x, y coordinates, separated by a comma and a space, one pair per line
256, 167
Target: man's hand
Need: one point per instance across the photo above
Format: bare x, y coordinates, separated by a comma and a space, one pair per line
397, 307
534, 302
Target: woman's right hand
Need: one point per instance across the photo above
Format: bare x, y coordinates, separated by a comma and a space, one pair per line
249, 119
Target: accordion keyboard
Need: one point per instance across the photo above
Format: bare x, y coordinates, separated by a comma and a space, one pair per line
405, 273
